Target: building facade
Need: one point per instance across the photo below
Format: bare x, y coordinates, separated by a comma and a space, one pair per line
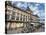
35, 20
17, 18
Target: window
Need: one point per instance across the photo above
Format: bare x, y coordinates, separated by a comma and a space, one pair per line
13, 16
8, 16
13, 13
27, 18
17, 16
24, 18
8, 25
9, 12
21, 17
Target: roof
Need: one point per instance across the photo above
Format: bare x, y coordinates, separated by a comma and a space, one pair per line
36, 16
27, 10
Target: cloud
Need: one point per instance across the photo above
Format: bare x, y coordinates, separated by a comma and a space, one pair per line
37, 8
41, 7
41, 14
37, 4
36, 12
19, 5
34, 9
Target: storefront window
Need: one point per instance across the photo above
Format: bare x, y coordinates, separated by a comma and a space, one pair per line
16, 25
19, 24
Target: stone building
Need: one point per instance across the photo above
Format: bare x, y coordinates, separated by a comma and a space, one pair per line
35, 20
17, 19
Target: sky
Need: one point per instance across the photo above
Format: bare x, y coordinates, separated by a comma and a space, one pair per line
37, 8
